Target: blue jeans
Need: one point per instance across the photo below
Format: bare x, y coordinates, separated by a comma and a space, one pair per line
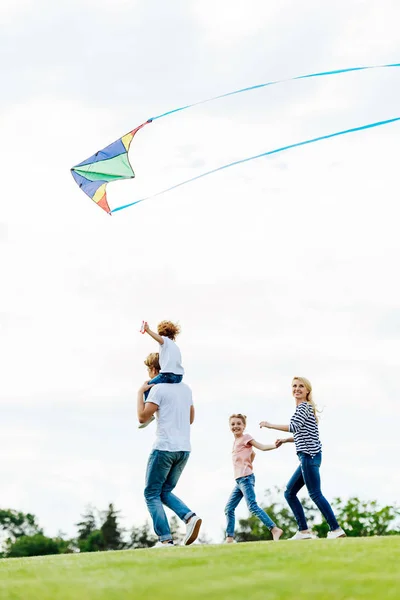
163, 472
244, 488
164, 378
308, 474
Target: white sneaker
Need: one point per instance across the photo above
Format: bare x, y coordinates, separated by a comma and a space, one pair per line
192, 530
161, 545
143, 425
338, 533
303, 536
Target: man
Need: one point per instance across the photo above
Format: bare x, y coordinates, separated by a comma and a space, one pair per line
175, 413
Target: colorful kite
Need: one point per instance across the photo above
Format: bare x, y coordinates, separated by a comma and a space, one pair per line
112, 163
109, 164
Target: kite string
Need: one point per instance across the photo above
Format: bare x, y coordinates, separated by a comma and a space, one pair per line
261, 85
249, 158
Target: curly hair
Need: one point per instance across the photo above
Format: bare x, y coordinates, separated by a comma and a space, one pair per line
239, 416
168, 329
152, 361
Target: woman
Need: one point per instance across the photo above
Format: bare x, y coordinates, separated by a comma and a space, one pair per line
304, 426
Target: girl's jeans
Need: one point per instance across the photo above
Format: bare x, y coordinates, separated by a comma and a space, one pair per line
244, 488
163, 378
308, 474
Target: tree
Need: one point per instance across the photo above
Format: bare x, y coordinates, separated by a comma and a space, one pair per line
176, 530
360, 518
112, 534
16, 524
141, 537
95, 542
87, 525
33, 545
90, 538
65, 545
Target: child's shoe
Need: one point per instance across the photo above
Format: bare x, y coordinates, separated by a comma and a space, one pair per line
302, 536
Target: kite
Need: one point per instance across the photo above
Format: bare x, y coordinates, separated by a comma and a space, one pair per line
112, 162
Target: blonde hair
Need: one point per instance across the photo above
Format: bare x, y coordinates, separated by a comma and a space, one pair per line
239, 416
309, 398
152, 361
168, 329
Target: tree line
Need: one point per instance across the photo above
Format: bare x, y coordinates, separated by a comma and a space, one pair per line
101, 530
359, 518
96, 531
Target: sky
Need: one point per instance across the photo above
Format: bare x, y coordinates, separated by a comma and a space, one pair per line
283, 266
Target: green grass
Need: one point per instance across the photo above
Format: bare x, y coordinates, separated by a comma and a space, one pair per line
366, 568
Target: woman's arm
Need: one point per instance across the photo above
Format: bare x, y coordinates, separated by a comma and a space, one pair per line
270, 426
153, 334
263, 447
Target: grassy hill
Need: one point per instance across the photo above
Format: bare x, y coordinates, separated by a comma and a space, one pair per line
351, 568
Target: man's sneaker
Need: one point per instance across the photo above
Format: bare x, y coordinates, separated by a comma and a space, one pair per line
143, 425
338, 533
303, 536
161, 545
192, 530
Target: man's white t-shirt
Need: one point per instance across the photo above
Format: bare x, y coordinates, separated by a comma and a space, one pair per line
173, 416
170, 357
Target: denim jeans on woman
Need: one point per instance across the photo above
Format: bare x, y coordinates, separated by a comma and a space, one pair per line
164, 378
308, 474
163, 472
244, 489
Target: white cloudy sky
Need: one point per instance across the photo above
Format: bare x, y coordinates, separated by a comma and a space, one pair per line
287, 265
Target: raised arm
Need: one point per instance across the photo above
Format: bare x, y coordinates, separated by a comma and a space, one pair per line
153, 334
271, 426
263, 447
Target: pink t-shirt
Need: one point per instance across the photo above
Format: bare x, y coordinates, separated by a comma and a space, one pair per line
241, 456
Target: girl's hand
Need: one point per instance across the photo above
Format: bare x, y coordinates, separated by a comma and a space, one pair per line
265, 424
279, 443
146, 326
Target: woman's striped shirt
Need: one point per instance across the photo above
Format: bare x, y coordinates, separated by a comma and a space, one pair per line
304, 427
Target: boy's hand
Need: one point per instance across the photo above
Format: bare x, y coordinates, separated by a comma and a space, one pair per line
265, 424
145, 327
279, 443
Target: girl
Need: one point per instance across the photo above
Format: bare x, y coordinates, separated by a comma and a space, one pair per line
304, 426
243, 456
171, 370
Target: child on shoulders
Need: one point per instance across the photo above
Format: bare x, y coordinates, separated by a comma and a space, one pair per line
171, 369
